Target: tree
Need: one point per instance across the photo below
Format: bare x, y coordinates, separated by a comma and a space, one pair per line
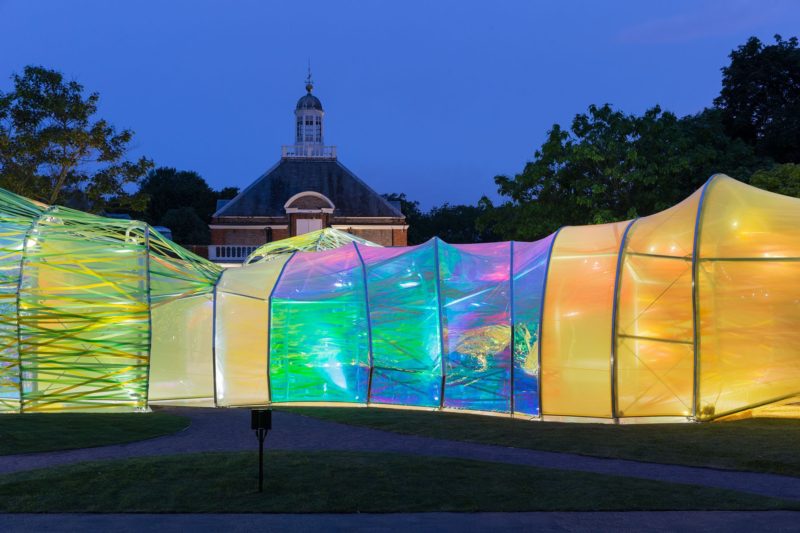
415, 218
227, 193
760, 97
168, 188
782, 179
451, 223
53, 149
187, 227
612, 166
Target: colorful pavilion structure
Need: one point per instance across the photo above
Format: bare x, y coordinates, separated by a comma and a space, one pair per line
690, 314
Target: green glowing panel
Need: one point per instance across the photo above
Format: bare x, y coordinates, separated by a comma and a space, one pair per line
319, 341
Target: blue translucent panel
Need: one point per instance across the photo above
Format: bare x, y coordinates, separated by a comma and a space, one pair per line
530, 267
404, 315
319, 342
476, 318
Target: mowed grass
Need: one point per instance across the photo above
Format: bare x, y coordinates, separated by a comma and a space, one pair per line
345, 482
28, 433
758, 445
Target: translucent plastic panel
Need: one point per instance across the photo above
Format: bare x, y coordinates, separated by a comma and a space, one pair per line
576, 328
241, 344
255, 280
740, 221
83, 310
530, 266
319, 343
749, 339
242, 324
14, 224
181, 361
404, 315
748, 298
177, 273
655, 339
476, 318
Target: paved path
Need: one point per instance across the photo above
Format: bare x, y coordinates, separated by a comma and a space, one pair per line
228, 430
707, 521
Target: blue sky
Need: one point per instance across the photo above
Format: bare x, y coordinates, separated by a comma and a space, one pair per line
428, 98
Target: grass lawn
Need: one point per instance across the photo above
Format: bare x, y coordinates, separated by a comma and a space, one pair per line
344, 482
759, 445
63, 431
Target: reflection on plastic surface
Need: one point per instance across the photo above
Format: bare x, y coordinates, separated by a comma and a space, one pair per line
529, 267
404, 320
476, 320
319, 348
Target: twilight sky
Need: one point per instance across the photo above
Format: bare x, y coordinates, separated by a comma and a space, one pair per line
428, 98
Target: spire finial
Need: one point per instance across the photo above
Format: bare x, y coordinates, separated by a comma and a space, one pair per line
309, 81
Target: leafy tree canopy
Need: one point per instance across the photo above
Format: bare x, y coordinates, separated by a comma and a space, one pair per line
53, 149
168, 188
171, 193
452, 223
782, 179
760, 97
610, 166
187, 227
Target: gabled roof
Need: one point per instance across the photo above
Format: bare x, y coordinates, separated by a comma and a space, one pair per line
268, 194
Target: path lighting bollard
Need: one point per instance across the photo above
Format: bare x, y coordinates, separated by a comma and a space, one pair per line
261, 422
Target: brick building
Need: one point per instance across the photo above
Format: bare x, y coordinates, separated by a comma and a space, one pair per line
307, 190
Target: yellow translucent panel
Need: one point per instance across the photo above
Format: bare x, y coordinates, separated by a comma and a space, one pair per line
748, 298
181, 366
654, 378
576, 329
669, 232
242, 332
241, 344
655, 329
740, 221
254, 280
749, 335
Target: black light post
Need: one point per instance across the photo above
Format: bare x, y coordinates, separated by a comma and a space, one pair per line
261, 423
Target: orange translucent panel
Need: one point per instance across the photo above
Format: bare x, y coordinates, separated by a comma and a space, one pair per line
654, 334
748, 298
242, 326
576, 328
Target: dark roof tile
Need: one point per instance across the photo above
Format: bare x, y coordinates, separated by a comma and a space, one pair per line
268, 194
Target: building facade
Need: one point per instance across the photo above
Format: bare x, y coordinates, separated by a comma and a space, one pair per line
307, 190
